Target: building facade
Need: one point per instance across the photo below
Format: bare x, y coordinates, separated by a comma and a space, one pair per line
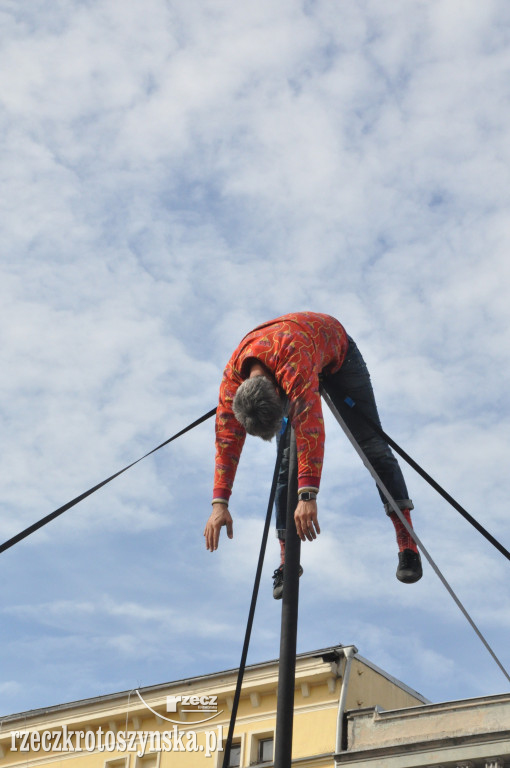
472, 733
347, 712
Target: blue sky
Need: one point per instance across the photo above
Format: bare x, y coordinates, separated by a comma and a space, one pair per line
174, 173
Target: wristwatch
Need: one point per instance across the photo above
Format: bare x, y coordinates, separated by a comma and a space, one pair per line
307, 496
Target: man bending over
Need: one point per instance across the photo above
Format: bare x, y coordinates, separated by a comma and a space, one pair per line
279, 366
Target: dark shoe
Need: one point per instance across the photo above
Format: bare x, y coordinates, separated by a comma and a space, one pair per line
409, 566
278, 582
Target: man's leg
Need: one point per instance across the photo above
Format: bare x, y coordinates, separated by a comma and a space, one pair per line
280, 500
280, 504
353, 380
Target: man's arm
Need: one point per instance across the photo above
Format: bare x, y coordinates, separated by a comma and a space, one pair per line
230, 436
219, 517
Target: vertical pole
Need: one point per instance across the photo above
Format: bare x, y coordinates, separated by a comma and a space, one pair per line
287, 666
251, 614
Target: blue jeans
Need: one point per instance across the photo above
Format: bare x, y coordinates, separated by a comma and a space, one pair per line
353, 380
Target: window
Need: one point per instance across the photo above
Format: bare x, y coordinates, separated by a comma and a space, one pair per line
235, 756
261, 748
121, 762
265, 750
150, 760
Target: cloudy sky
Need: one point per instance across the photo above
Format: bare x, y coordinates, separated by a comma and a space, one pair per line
173, 173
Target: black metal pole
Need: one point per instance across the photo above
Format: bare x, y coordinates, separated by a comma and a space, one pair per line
290, 599
251, 614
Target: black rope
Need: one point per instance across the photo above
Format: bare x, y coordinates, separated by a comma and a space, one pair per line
251, 614
430, 480
65, 507
408, 527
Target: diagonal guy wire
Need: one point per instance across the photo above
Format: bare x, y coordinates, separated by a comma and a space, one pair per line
430, 480
410, 530
44, 520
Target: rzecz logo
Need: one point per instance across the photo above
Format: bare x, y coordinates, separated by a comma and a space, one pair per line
195, 703
189, 704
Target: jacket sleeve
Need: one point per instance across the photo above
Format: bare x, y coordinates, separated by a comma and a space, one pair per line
230, 437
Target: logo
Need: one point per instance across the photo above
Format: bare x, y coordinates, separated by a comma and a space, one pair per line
193, 704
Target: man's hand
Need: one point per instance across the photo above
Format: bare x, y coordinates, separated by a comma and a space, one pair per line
305, 517
220, 516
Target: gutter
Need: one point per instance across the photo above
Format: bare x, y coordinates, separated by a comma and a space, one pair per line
348, 653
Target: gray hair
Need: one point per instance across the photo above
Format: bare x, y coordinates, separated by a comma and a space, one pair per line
258, 407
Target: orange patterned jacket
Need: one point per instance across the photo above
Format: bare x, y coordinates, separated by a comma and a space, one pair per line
296, 348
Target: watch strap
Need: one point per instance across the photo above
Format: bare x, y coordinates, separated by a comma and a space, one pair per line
307, 496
